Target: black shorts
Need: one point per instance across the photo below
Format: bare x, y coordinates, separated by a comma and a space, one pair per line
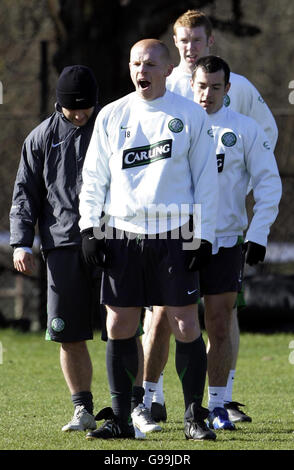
224, 273
148, 271
70, 296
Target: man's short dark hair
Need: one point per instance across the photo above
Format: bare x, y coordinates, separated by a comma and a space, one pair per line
211, 64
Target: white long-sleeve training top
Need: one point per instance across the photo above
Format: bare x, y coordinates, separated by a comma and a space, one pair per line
147, 157
243, 153
242, 97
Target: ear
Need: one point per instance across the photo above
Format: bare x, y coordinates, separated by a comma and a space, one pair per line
170, 68
210, 41
227, 87
175, 40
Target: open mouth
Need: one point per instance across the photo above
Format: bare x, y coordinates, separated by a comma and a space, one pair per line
144, 84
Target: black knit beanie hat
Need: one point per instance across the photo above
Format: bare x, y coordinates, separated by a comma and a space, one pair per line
77, 88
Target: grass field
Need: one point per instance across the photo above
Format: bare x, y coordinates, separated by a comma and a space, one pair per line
35, 402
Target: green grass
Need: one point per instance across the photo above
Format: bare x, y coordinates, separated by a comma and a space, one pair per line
35, 402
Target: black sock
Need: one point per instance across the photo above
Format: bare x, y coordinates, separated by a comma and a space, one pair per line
122, 368
137, 396
83, 398
191, 365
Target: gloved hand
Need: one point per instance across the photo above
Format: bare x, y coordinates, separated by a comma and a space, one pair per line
94, 250
199, 258
254, 253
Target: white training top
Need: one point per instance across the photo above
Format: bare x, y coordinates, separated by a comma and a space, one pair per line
149, 157
242, 97
243, 152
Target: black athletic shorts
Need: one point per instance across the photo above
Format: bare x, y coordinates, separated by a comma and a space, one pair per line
148, 271
70, 296
224, 273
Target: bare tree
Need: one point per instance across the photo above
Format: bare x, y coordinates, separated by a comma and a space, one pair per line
100, 33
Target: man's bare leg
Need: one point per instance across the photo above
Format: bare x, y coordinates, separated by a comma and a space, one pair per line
76, 366
156, 350
235, 342
218, 322
156, 344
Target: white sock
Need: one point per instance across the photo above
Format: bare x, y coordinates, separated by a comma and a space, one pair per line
216, 397
149, 388
158, 395
229, 387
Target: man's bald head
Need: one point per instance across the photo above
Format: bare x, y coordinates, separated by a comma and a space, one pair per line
153, 43
149, 67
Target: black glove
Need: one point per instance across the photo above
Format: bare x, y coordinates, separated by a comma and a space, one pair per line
199, 258
94, 250
254, 253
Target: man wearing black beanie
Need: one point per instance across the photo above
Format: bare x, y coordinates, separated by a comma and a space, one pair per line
76, 88
46, 192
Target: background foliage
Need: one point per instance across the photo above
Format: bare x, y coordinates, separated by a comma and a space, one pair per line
39, 37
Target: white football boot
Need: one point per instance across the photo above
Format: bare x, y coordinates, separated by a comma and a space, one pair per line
81, 420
